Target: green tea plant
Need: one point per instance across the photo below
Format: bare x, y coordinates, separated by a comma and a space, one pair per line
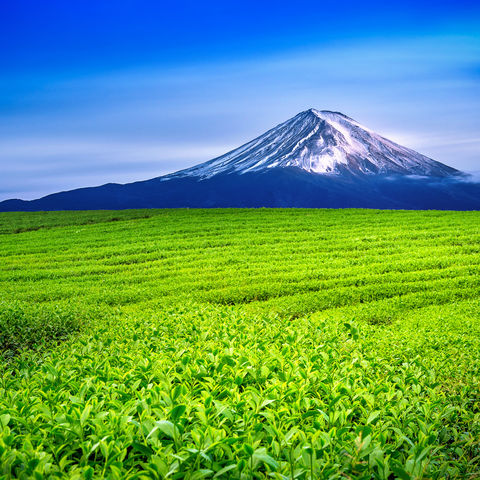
240, 344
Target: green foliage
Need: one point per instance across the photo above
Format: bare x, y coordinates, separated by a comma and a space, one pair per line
240, 344
32, 326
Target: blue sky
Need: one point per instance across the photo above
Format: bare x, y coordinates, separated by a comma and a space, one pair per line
92, 92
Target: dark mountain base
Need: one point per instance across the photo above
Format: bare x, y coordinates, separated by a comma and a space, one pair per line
274, 188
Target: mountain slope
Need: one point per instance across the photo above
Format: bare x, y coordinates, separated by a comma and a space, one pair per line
315, 159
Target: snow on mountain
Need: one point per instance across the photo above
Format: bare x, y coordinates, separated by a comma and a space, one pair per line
321, 142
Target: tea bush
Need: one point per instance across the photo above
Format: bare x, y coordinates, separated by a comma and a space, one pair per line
240, 344
25, 326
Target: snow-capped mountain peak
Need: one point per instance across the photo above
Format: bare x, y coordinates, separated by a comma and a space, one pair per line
321, 142
317, 159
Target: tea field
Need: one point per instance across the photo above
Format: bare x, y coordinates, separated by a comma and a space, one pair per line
240, 344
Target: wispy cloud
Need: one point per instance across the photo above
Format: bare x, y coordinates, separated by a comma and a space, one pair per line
34, 167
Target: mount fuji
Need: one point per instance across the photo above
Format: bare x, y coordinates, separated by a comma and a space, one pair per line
321, 142
315, 159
